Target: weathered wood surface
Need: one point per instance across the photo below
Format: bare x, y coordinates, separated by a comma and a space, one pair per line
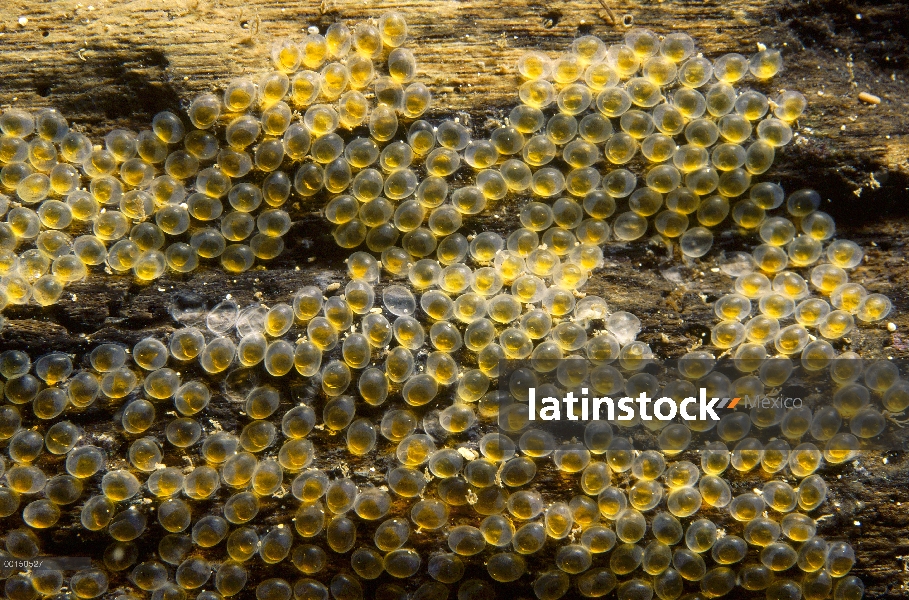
115, 64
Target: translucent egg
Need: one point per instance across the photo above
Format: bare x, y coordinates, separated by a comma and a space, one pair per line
794, 105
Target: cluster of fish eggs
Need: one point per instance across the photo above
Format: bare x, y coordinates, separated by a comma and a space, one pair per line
494, 487
126, 185
823, 300
177, 194
518, 301
699, 138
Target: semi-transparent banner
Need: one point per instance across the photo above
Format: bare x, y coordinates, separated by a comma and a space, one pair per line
835, 407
